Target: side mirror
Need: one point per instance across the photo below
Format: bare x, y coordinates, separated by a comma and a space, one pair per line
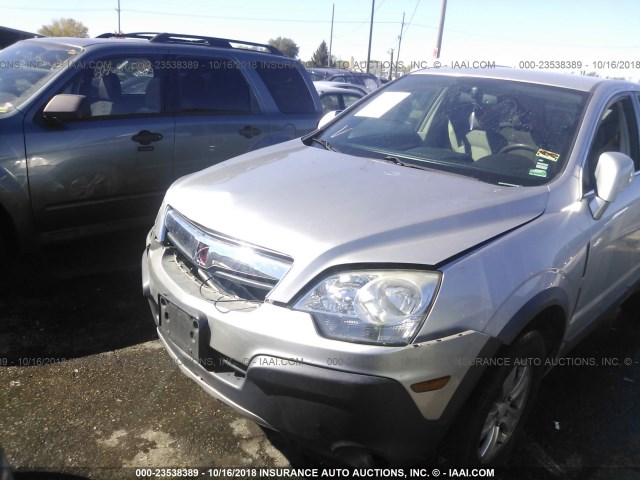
65, 107
328, 117
614, 172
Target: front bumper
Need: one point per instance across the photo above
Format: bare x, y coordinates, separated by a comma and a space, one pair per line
338, 398
337, 413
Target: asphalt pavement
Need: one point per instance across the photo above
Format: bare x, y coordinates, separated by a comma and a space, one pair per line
87, 391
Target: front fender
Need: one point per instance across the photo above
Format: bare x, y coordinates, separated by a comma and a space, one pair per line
14, 183
551, 297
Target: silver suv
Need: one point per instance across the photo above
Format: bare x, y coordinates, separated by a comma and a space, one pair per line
94, 130
397, 282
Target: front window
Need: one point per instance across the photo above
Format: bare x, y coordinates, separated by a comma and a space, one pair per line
117, 86
26, 66
617, 132
498, 131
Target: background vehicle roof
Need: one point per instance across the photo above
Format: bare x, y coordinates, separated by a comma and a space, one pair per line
566, 80
331, 89
77, 42
324, 84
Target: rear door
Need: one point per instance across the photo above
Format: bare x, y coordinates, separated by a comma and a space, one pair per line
113, 167
218, 115
292, 99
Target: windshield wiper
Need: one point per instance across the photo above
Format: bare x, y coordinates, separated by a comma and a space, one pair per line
397, 161
325, 144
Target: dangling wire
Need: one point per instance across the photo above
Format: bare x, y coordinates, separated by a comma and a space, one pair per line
210, 283
207, 282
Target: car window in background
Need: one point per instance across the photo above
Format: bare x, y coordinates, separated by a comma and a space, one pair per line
370, 83
24, 68
210, 85
498, 131
334, 101
287, 87
349, 99
330, 102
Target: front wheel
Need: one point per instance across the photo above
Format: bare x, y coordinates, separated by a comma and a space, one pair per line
486, 431
5, 249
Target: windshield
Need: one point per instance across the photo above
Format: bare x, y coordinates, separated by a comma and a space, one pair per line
25, 67
498, 131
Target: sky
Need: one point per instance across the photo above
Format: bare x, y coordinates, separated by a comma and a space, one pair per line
523, 33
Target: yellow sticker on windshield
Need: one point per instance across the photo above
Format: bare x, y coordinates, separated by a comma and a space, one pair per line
547, 155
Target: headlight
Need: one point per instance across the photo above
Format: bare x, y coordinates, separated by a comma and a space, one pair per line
371, 306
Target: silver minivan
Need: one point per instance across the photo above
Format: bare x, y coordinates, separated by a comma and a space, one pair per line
395, 284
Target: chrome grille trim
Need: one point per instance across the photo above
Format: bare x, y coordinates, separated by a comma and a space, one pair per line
224, 258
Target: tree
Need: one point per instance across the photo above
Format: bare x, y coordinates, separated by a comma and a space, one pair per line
287, 46
64, 27
320, 56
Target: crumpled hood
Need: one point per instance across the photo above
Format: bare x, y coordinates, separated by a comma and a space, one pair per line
325, 209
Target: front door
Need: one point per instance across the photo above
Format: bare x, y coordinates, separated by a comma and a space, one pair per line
112, 168
613, 264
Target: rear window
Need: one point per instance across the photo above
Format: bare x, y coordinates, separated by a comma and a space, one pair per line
212, 85
287, 87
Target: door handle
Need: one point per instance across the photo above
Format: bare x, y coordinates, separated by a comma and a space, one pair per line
248, 131
145, 137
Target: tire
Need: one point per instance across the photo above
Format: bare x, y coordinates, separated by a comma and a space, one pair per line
5, 247
631, 306
487, 429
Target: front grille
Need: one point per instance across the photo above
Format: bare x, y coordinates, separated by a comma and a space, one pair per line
239, 269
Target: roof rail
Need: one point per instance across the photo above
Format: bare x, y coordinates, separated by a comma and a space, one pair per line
142, 35
185, 39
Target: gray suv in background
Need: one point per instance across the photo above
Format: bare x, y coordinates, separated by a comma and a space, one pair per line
93, 131
396, 283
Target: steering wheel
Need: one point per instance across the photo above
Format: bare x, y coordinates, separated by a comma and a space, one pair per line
518, 146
